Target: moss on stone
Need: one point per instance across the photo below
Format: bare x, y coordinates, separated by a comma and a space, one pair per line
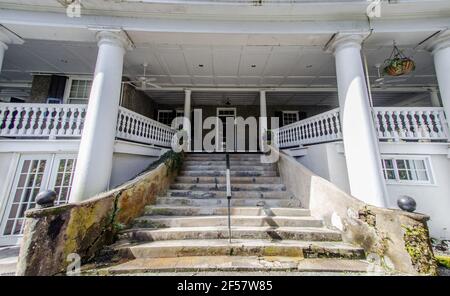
418, 246
443, 260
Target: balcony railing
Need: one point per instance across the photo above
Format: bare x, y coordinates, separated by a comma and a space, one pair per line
41, 120
66, 121
136, 127
391, 124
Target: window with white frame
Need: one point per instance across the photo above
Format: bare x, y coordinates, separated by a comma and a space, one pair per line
179, 121
289, 117
35, 173
406, 170
78, 90
165, 116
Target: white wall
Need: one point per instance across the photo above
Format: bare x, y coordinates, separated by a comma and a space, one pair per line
127, 166
328, 161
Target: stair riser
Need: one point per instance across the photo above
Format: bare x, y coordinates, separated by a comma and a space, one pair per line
239, 168
223, 202
148, 236
234, 180
208, 211
148, 222
223, 194
208, 173
288, 251
232, 163
223, 187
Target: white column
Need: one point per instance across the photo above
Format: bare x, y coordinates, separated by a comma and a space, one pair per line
7, 37
440, 48
262, 116
94, 160
434, 97
187, 116
360, 143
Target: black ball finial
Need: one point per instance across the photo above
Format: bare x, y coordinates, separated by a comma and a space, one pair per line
407, 203
46, 198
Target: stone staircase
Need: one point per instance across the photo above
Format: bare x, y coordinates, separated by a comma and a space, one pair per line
186, 230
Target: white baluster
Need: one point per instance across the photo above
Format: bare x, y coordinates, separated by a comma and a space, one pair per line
26, 116
423, 126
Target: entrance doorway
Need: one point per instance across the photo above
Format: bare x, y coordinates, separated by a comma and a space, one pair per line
222, 115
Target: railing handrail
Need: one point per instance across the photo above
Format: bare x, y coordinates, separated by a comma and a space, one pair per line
42, 105
408, 108
121, 108
309, 119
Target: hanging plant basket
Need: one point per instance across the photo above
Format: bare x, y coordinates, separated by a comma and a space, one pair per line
398, 64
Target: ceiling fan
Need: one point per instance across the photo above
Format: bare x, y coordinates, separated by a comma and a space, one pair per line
143, 82
381, 80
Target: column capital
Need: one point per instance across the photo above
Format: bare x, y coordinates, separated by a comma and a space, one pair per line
438, 42
8, 37
187, 91
346, 39
114, 37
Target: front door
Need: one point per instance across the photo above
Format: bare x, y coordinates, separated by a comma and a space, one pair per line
223, 135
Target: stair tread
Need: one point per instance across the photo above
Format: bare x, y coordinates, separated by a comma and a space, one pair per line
161, 217
241, 242
240, 263
234, 228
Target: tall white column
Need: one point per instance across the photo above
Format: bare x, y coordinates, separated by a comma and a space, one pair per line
360, 143
94, 160
262, 117
187, 116
440, 48
7, 37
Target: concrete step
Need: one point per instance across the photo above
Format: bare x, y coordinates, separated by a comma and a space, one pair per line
223, 187
210, 173
211, 210
234, 180
235, 202
221, 232
200, 221
222, 194
253, 167
222, 156
239, 263
221, 247
222, 162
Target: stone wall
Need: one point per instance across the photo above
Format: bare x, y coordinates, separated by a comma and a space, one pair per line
39, 88
398, 240
137, 101
51, 234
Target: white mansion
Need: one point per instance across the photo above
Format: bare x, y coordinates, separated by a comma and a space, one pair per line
88, 89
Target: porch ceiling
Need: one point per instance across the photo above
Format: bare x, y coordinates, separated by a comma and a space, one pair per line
218, 61
208, 98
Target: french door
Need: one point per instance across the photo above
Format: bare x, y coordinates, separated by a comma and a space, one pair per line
34, 173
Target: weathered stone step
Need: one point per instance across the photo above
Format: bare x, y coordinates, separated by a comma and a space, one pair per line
223, 187
234, 180
241, 263
221, 232
221, 194
232, 168
222, 162
221, 247
249, 173
211, 210
235, 202
198, 221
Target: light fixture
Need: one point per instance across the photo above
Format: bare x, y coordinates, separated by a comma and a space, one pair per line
200, 65
253, 66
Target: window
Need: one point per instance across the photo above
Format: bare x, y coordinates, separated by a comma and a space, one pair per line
179, 121
290, 117
36, 173
406, 170
165, 116
78, 90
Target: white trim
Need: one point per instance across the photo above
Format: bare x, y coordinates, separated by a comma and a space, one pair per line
428, 168
39, 145
136, 148
289, 112
12, 170
71, 78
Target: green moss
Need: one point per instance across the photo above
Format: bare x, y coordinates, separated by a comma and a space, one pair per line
418, 246
443, 260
